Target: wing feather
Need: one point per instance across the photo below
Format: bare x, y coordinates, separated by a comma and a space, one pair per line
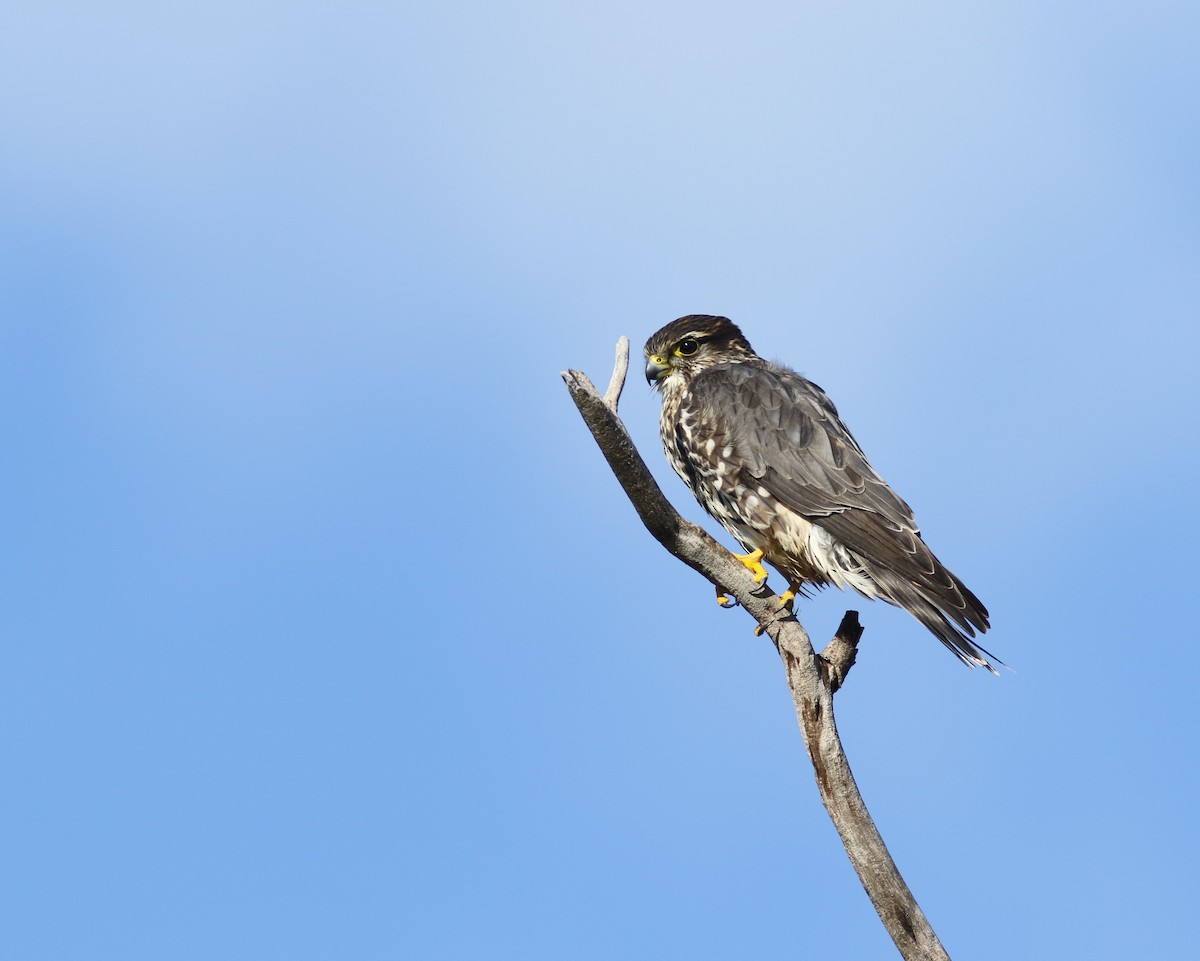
787, 434
788, 437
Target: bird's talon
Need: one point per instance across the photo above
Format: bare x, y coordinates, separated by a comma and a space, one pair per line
725, 601
753, 562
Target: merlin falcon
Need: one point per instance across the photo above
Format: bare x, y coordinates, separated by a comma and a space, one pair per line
765, 453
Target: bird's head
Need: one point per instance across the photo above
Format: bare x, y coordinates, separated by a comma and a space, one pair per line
688, 345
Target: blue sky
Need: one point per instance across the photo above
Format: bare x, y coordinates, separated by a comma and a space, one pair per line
326, 631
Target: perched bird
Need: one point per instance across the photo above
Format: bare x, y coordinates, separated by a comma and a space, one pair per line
765, 453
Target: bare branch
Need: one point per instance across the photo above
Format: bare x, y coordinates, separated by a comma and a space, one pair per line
612, 396
812, 678
840, 653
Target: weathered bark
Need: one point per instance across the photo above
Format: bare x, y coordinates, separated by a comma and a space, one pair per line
812, 678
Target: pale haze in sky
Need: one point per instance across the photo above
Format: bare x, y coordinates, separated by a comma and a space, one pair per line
328, 634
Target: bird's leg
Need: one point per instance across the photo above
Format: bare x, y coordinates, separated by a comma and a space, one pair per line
788, 598
787, 602
753, 562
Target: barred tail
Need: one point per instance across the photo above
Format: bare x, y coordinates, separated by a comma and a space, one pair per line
947, 608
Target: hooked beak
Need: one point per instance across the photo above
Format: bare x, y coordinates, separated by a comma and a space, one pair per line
655, 367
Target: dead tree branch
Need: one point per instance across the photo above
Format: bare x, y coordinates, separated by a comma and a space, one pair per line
812, 678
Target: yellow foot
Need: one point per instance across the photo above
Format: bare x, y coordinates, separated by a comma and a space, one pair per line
725, 600
787, 602
753, 561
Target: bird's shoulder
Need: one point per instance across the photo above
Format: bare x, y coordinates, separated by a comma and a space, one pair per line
787, 434
773, 401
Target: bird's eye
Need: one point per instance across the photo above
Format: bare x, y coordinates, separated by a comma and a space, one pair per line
687, 347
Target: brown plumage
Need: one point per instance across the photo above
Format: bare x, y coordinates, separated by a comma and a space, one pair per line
765, 453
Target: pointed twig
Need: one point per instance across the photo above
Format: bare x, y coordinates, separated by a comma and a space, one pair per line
612, 396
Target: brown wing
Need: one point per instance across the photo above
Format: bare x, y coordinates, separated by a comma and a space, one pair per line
787, 434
